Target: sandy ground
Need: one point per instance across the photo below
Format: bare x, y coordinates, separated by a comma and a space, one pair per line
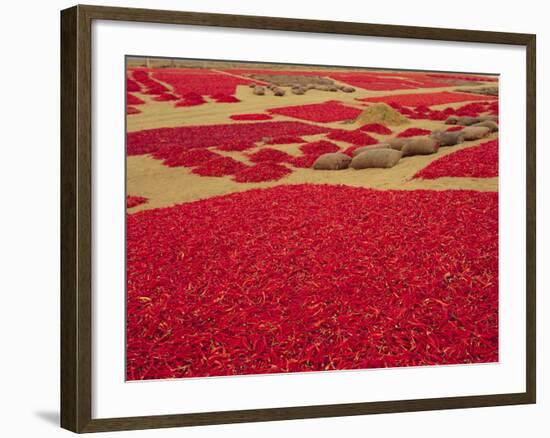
165, 186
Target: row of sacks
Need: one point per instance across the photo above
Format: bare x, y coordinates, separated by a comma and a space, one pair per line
387, 155
259, 90
489, 121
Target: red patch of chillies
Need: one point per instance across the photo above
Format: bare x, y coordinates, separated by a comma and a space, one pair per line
133, 100
250, 71
319, 112
422, 109
132, 110
471, 108
427, 99
221, 166
463, 77
236, 145
187, 158
265, 171
224, 98
134, 201
411, 132
270, 155
423, 112
437, 115
190, 99
387, 81
299, 278
220, 87
319, 147
189, 137
355, 137
165, 97
375, 128
149, 86
284, 139
132, 86
475, 162
257, 116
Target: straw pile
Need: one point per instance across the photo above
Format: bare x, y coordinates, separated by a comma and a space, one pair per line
381, 113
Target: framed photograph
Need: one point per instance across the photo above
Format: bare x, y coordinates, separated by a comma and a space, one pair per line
270, 218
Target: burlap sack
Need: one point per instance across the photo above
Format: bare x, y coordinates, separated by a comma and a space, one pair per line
371, 148
332, 161
485, 118
378, 158
298, 90
475, 132
448, 138
259, 91
420, 146
398, 143
493, 126
464, 121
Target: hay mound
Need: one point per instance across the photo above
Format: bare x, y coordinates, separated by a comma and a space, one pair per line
381, 113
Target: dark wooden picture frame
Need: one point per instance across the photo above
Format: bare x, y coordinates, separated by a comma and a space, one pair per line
76, 218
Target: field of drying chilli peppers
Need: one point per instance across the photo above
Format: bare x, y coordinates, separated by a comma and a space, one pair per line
309, 219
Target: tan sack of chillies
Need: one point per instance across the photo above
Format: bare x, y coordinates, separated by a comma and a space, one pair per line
371, 148
332, 161
397, 143
464, 121
377, 158
448, 138
420, 146
493, 126
475, 132
491, 118
259, 91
